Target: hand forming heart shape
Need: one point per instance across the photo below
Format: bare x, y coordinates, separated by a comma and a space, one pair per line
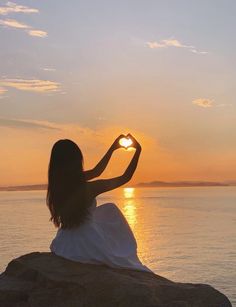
125, 142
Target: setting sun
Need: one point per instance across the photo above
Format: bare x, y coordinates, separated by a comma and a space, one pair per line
125, 142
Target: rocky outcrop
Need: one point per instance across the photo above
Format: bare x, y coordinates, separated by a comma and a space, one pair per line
46, 280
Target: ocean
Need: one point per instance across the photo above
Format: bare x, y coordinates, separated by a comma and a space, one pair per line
184, 234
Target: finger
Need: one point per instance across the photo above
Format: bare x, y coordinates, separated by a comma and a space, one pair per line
121, 136
132, 137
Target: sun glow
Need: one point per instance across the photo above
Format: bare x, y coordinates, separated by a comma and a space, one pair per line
125, 142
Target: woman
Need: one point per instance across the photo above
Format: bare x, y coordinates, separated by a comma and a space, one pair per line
89, 234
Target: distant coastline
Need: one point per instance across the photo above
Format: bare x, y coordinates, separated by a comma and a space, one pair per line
152, 184
34, 187
180, 184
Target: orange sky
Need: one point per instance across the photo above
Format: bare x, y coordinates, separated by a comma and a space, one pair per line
24, 158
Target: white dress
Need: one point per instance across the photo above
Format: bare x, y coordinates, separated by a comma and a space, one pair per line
105, 238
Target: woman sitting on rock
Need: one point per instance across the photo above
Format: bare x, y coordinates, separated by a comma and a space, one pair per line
86, 233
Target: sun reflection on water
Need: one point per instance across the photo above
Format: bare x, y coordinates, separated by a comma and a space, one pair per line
129, 192
129, 207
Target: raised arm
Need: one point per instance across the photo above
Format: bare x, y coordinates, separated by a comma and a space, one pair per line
100, 186
100, 167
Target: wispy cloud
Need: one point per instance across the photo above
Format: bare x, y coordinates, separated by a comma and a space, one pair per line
203, 102
12, 23
2, 91
222, 105
49, 69
27, 124
199, 52
37, 33
32, 85
166, 43
12, 7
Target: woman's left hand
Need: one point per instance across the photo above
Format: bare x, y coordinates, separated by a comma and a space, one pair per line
116, 144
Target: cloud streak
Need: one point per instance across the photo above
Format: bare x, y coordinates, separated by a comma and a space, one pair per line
167, 43
12, 23
49, 69
38, 33
26, 124
2, 91
203, 102
12, 7
31, 85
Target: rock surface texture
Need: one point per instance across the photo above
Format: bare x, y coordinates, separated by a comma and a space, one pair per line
46, 280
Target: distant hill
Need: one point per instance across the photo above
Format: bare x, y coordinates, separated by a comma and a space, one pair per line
183, 184
38, 187
231, 182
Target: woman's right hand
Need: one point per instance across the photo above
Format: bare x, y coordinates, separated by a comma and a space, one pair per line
135, 143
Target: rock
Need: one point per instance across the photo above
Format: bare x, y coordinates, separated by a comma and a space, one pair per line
46, 280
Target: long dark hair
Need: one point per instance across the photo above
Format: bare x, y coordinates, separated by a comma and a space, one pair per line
66, 194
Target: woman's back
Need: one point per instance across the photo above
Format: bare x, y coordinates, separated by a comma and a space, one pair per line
89, 234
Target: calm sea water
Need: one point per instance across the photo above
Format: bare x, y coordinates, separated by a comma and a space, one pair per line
185, 234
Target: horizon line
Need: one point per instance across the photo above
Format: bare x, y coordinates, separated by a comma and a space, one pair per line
156, 183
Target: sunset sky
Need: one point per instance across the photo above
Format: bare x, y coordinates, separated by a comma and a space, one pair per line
90, 70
